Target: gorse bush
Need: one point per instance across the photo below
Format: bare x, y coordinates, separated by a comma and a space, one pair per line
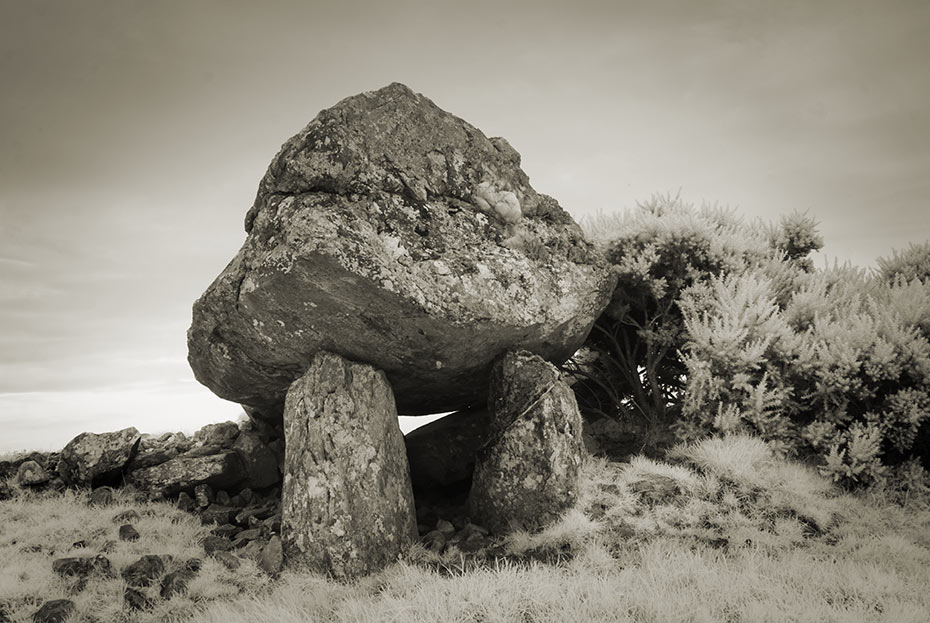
717, 326
908, 265
632, 369
838, 371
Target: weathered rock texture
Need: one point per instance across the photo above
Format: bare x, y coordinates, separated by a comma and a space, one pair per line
347, 506
527, 473
223, 470
31, 474
92, 459
259, 461
394, 233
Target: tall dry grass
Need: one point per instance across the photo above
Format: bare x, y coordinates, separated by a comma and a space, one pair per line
723, 531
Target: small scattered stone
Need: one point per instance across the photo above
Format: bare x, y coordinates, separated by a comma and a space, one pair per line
471, 530
245, 536
31, 474
212, 544
247, 495
203, 495
83, 566
216, 514
258, 512
101, 496
97, 459
272, 525
144, 571
127, 532
253, 550
221, 434
136, 600
54, 611
228, 560
435, 540
720, 543
272, 557
223, 499
127, 516
185, 502
445, 527
175, 583
227, 530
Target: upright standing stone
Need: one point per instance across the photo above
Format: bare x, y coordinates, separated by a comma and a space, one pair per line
527, 473
347, 500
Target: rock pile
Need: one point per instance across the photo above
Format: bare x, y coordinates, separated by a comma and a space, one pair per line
220, 456
227, 467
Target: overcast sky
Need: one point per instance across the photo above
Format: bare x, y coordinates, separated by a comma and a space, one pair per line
133, 135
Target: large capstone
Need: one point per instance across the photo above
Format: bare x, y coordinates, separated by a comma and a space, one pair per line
527, 473
396, 234
347, 507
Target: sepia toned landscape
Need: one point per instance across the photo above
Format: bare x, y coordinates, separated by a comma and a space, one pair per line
423, 389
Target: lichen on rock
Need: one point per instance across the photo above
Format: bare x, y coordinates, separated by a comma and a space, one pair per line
347, 507
503, 203
526, 475
394, 233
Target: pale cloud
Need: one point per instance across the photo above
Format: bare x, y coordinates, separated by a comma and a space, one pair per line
48, 420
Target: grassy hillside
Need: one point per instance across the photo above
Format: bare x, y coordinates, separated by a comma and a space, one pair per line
723, 531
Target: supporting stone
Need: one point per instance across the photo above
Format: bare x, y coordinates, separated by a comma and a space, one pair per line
347, 500
527, 473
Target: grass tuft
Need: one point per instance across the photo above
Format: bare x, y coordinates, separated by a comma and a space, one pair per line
723, 531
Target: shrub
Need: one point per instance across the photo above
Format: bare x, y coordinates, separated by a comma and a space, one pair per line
631, 369
841, 370
721, 327
908, 265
